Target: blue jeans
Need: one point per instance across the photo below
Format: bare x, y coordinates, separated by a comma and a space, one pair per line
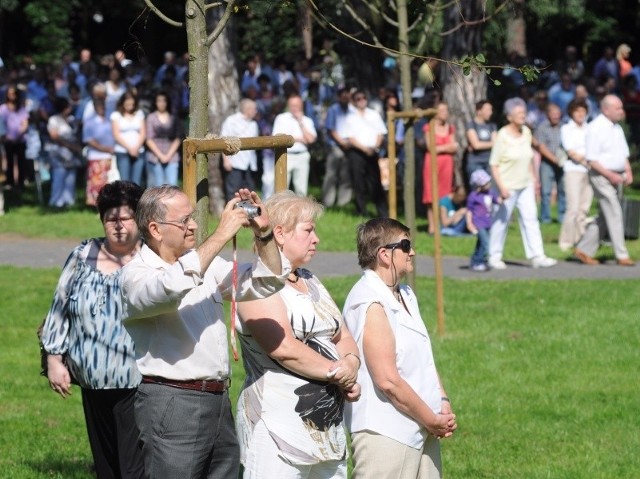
63, 184
548, 175
458, 229
479, 255
130, 167
162, 174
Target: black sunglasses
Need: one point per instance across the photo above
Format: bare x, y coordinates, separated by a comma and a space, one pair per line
404, 245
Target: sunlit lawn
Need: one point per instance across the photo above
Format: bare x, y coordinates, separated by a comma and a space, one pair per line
542, 374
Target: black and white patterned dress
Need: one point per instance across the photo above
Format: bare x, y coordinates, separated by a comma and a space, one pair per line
304, 417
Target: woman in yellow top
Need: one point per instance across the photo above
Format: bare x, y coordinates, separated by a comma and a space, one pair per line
511, 165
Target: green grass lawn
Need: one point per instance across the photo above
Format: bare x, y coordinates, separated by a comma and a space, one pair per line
543, 376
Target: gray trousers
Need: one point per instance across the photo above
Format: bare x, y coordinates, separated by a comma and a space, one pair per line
336, 186
186, 434
610, 219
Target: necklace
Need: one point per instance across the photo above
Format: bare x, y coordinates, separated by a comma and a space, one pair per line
296, 274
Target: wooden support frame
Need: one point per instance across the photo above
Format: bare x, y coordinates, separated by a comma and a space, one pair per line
191, 147
393, 195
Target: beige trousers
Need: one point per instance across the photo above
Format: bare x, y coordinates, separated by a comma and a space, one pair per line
578, 194
610, 219
379, 457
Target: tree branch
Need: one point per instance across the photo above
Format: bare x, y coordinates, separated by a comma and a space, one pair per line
468, 23
376, 11
427, 27
360, 22
161, 15
212, 5
230, 10
415, 23
392, 51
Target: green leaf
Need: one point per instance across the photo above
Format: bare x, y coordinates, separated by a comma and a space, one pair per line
497, 82
480, 58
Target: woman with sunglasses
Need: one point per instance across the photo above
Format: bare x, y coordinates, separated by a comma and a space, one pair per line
404, 409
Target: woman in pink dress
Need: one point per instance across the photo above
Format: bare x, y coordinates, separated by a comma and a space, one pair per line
446, 147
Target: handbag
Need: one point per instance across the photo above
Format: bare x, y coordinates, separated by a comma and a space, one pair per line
44, 366
113, 174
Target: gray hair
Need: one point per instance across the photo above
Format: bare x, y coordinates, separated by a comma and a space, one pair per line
513, 103
244, 105
287, 209
151, 207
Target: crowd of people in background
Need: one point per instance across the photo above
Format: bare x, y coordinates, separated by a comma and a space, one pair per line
124, 118
93, 121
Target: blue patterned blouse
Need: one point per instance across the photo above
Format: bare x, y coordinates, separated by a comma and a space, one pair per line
85, 321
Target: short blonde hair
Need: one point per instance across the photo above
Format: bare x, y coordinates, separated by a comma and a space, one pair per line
287, 209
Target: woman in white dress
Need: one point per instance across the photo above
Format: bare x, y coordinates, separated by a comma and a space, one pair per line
301, 362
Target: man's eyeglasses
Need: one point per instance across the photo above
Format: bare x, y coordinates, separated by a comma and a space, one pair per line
358, 98
183, 223
404, 245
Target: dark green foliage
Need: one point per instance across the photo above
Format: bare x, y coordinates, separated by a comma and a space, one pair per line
50, 19
268, 27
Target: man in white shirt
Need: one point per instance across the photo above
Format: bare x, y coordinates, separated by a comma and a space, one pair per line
294, 123
607, 154
240, 167
173, 296
365, 131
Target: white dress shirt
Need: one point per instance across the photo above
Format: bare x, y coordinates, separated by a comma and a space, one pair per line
242, 127
606, 144
286, 123
175, 315
365, 127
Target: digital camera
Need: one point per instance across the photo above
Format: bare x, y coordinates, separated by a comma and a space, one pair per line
251, 209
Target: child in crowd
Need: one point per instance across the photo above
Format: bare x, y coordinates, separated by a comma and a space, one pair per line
479, 206
453, 213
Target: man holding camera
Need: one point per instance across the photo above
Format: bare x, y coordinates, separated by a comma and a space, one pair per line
173, 294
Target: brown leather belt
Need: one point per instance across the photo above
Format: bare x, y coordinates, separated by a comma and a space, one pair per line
207, 385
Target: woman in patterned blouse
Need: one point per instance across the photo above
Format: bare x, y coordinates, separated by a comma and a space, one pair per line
84, 324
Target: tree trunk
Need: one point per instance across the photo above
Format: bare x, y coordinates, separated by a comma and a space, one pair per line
462, 92
224, 97
196, 29
516, 30
409, 186
306, 29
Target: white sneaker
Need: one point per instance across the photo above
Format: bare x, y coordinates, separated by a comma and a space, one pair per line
497, 264
543, 262
481, 267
